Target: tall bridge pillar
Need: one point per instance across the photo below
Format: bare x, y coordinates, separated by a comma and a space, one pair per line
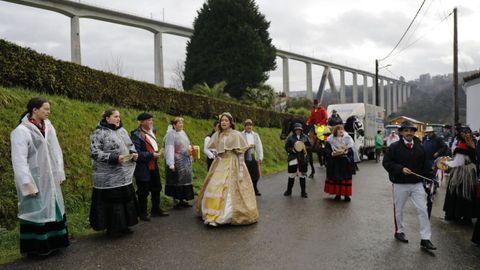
75, 54
374, 94
342, 86
158, 56
355, 88
399, 96
389, 97
365, 90
394, 96
286, 79
309, 81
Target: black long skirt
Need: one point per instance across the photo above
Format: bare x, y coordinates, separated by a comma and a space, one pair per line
44, 238
457, 207
476, 233
113, 209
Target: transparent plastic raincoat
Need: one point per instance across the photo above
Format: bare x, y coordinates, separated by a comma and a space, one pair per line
38, 167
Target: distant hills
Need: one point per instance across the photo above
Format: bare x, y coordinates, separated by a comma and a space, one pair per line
431, 100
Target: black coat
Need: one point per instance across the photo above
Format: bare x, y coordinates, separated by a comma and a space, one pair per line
291, 142
439, 147
302, 157
142, 172
398, 156
334, 121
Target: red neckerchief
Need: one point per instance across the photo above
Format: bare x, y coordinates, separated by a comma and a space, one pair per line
147, 138
39, 124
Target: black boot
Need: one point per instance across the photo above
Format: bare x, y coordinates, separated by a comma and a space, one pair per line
291, 181
156, 211
142, 208
257, 193
303, 187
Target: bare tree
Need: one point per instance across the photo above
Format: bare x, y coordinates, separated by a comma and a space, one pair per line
177, 76
114, 65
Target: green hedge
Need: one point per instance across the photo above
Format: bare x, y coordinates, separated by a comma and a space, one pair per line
23, 67
74, 121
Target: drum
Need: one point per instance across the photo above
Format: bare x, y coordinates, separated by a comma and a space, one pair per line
440, 163
299, 146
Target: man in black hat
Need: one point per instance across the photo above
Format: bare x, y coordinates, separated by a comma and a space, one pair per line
297, 159
403, 160
334, 119
147, 173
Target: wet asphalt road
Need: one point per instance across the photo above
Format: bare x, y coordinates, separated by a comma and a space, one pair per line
293, 233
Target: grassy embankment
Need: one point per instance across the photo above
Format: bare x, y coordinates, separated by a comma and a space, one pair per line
74, 121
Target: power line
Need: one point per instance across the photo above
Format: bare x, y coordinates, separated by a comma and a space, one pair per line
422, 36
419, 23
408, 28
394, 75
443, 9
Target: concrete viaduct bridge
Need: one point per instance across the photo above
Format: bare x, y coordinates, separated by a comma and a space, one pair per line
393, 93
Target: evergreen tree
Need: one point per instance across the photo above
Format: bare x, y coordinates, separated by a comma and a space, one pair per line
230, 42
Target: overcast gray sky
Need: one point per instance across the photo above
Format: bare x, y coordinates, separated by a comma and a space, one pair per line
348, 32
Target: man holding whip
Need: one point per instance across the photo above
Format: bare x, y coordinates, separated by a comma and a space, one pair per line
405, 160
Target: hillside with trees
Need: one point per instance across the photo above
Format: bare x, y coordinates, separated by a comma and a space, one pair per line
432, 99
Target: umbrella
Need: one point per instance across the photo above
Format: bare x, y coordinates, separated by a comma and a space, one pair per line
430, 186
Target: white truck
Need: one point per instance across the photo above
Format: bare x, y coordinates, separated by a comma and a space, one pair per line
364, 120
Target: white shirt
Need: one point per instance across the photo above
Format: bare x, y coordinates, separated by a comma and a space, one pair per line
253, 138
250, 139
457, 161
408, 142
207, 151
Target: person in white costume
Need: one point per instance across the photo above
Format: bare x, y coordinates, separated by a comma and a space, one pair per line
37, 161
254, 154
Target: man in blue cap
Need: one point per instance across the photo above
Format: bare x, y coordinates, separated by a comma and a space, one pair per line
404, 161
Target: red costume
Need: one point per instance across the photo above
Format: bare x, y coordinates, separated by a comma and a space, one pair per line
318, 116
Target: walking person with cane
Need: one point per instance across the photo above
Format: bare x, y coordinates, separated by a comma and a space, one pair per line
404, 161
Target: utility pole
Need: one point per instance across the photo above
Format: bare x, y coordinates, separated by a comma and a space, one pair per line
377, 90
455, 68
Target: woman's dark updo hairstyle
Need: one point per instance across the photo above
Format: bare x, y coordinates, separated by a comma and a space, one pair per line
33, 103
108, 113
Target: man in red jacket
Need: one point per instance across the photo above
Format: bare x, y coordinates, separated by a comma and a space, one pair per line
318, 115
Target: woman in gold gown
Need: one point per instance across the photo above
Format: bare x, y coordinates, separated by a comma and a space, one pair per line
227, 195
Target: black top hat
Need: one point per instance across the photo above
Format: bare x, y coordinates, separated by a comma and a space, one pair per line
297, 126
144, 116
407, 124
